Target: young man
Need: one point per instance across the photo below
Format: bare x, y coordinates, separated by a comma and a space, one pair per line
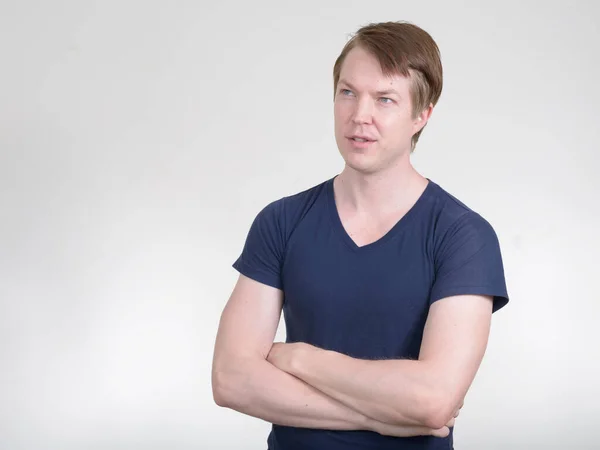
387, 282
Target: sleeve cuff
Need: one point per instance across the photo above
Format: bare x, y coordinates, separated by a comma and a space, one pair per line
500, 298
257, 275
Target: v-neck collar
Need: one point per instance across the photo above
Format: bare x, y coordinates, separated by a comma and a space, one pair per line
394, 231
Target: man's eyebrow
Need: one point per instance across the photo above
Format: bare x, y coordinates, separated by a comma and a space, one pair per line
342, 81
384, 92
387, 92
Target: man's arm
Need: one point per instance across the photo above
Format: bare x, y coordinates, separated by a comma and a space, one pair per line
427, 392
243, 380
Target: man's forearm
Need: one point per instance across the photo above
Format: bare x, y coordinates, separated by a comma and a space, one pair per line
257, 388
392, 391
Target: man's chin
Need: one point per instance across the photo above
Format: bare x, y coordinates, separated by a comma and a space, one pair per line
363, 166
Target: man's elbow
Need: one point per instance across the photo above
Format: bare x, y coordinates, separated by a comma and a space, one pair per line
220, 395
428, 410
227, 388
437, 419
232, 381
439, 411
219, 389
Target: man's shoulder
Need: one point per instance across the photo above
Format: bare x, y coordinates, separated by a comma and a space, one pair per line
309, 193
289, 209
451, 212
299, 200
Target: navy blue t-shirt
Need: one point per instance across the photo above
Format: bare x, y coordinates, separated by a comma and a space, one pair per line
371, 301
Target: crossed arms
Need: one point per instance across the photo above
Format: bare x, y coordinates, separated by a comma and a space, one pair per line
303, 386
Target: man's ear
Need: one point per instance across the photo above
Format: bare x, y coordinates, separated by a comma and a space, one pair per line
421, 120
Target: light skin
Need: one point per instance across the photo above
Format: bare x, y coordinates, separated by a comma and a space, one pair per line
244, 380
378, 184
304, 386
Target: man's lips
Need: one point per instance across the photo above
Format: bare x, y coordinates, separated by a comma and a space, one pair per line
361, 138
361, 144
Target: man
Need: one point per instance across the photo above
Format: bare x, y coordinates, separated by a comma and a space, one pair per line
386, 281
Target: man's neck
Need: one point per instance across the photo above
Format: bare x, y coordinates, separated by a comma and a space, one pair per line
379, 193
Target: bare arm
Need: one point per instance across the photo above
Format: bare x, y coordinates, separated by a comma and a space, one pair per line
427, 392
245, 381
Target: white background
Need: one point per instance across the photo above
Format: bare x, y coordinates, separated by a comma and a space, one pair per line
138, 140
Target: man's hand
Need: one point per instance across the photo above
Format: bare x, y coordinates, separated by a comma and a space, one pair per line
283, 355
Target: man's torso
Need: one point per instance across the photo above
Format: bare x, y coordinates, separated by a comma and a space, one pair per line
366, 301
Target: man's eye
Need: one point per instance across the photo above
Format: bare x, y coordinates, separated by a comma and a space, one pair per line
386, 100
345, 92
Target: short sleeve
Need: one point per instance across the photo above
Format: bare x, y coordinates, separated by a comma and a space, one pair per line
263, 251
469, 261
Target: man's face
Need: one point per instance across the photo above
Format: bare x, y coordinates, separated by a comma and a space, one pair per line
370, 105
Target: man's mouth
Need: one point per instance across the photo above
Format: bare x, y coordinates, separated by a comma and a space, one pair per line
360, 139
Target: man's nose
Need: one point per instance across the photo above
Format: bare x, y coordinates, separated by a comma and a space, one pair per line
363, 112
